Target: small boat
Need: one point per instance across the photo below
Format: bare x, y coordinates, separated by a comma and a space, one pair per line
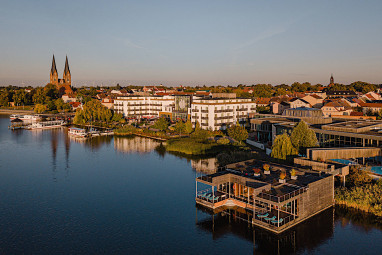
46, 124
14, 116
77, 132
25, 117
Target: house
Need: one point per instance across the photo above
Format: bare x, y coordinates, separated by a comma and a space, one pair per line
373, 107
69, 98
340, 93
314, 100
75, 105
336, 108
262, 101
108, 102
298, 102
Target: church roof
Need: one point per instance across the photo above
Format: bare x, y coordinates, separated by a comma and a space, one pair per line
53, 69
66, 70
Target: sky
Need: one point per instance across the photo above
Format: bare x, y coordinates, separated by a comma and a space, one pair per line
198, 42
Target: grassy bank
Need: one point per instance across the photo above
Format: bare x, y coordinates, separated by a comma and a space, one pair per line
192, 146
362, 193
367, 198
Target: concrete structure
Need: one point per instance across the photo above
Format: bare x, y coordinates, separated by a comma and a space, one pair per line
144, 107
220, 113
273, 203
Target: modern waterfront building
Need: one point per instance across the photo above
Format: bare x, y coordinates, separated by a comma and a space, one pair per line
220, 113
330, 132
270, 202
144, 106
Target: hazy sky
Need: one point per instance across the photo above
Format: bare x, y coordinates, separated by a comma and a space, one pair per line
192, 42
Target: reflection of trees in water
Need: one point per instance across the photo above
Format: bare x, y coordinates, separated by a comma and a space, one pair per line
135, 144
364, 222
95, 143
305, 237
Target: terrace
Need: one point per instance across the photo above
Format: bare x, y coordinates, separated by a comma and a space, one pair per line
272, 192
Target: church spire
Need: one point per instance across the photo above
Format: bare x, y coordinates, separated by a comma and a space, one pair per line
53, 69
331, 79
66, 70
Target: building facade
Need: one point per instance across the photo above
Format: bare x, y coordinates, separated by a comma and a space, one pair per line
220, 113
144, 106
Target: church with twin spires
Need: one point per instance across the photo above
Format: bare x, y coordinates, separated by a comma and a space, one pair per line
63, 85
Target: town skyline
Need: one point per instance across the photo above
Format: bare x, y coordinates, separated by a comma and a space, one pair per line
150, 43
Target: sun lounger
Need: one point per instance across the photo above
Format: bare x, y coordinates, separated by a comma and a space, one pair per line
272, 218
277, 221
263, 215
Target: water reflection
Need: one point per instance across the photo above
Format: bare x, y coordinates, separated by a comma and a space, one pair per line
135, 144
303, 238
206, 166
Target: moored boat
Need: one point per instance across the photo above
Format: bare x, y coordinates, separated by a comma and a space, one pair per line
77, 132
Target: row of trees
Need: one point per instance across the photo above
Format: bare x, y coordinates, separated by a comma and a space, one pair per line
236, 132
301, 138
94, 111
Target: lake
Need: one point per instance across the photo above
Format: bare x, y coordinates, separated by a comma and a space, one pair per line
129, 196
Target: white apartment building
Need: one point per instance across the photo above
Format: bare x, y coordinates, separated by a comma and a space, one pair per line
144, 106
220, 113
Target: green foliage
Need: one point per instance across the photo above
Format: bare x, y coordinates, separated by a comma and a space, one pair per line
223, 141
357, 177
191, 146
282, 147
51, 106
161, 124
263, 90
298, 87
125, 130
92, 111
117, 117
230, 157
263, 109
180, 127
303, 137
50, 92
201, 134
238, 132
5, 97
38, 96
364, 196
188, 127
39, 108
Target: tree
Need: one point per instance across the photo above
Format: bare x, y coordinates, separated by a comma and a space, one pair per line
93, 111
283, 147
117, 117
59, 104
38, 96
188, 127
238, 132
161, 124
19, 97
180, 127
303, 137
39, 108
4, 98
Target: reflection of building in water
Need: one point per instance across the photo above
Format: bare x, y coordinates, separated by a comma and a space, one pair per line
305, 237
135, 144
207, 166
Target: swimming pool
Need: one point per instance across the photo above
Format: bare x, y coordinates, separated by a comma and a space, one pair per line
344, 161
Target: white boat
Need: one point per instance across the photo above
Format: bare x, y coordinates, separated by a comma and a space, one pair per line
46, 124
77, 132
25, 117
14, 116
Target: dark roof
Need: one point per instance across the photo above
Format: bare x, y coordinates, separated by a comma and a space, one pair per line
66, 70
340, 92
53, 69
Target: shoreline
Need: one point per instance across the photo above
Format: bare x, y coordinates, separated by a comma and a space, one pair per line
14, 111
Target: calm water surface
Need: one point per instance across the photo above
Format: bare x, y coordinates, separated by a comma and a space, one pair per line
128, 196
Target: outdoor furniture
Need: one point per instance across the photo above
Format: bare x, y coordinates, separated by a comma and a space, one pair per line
216, 198
262, 215
277, 221
270, 219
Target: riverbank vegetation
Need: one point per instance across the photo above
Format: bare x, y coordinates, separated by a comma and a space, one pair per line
361, 192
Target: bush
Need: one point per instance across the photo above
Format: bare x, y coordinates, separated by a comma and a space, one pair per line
223, 141
190, 146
